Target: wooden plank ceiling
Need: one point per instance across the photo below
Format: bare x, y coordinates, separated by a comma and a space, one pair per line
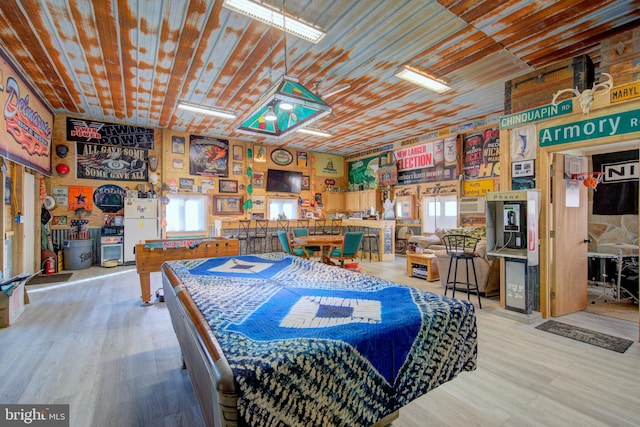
131, 60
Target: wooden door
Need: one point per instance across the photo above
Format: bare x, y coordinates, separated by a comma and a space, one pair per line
29, 237
569, 246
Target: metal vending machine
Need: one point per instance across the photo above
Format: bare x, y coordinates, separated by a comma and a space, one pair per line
141, 222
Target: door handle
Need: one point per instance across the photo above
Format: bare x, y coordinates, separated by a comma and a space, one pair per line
587, 240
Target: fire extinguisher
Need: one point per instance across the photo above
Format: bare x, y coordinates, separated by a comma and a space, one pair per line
50, 265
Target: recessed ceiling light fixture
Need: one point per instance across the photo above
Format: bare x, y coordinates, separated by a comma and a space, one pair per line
205, 110
268, 15
417, 77
315, 132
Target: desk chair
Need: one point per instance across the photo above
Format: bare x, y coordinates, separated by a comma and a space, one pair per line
281, 225
461, 247
289, 246
260, 233
349, 247
244, 235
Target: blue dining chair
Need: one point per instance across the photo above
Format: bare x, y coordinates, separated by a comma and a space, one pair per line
288, 246
298, 231
349, 247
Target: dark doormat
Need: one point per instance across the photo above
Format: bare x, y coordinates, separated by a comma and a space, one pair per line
585, 335
49, 278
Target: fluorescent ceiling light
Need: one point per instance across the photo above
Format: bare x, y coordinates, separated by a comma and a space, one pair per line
271, 16
205, 110
315, 132
415, 76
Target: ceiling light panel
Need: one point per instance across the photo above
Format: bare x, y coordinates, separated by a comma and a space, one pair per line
201, 109
417, 77
271, 16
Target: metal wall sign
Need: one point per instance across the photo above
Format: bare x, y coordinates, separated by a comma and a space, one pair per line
98, 132
593, 128
624, 93
536, 114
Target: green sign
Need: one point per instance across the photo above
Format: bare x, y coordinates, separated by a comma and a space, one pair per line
598, 127
536, 114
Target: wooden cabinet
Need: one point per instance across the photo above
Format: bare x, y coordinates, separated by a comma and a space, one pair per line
362, 200
352, 200
333, 202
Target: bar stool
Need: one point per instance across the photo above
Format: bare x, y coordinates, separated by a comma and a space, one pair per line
244, 234
281, 225
336, 226
260, 233
461, 247
319, 227
370, 240
303, 223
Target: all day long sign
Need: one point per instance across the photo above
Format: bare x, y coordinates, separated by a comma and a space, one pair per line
598, 127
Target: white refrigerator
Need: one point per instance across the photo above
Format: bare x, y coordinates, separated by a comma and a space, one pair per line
141, 222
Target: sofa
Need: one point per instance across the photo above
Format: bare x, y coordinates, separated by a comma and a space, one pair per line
487, 270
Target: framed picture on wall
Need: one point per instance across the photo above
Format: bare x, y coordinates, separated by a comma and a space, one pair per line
186, 183
227, 186
523, 168
306, 185
260, 153
227, 205
237, 168
258, 179
237, 152
177, 144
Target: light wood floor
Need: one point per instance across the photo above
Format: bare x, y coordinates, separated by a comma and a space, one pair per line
89, 344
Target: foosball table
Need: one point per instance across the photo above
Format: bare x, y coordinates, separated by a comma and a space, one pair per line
151, 254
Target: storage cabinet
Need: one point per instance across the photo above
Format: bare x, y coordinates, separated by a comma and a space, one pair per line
356, 201
333, 201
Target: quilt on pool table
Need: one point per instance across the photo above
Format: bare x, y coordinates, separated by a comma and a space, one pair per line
311, 344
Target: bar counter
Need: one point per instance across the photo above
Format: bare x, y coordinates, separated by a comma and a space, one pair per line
385, 230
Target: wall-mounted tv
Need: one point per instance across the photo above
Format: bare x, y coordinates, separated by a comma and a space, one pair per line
282, 181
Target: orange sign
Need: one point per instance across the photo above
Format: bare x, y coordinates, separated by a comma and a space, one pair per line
80, 198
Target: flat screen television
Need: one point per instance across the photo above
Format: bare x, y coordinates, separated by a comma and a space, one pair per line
282, 181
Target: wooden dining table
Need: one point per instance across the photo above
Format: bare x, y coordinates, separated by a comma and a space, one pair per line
324, 241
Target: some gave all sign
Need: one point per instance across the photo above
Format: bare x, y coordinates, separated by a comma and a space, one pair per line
107, 162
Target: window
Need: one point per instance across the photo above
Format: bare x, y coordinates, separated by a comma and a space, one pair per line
187, 213
439, 212
288, 207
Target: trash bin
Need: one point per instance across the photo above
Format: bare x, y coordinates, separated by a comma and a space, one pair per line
78, 254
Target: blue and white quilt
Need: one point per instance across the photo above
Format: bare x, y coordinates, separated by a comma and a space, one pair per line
311, 344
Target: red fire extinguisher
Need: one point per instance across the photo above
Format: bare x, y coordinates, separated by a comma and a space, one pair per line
49, 265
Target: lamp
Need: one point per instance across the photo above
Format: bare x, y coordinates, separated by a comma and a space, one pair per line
292, 106
287, 105
205, 110
417, 77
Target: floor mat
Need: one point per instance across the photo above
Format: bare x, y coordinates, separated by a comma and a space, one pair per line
599, 339
49, 278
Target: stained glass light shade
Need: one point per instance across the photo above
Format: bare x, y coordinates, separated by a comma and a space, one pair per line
306, 109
